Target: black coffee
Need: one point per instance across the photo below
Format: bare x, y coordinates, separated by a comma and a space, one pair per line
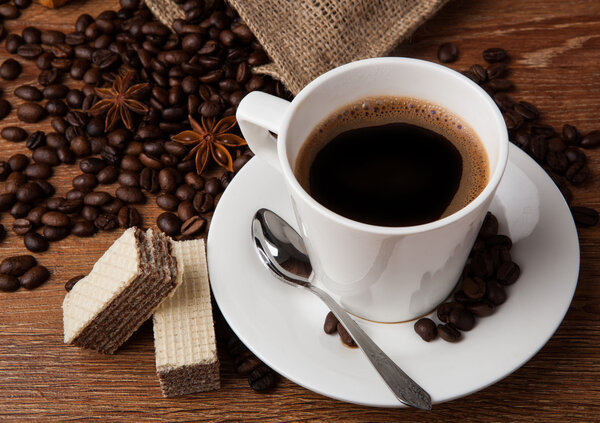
392, 162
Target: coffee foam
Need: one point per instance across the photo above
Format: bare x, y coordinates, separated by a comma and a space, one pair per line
373, 111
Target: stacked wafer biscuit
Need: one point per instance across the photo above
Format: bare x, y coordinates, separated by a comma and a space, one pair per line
140, 274
184, 338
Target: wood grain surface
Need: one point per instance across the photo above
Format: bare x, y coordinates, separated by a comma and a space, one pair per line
555, 49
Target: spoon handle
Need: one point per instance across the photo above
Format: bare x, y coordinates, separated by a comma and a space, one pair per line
404, 388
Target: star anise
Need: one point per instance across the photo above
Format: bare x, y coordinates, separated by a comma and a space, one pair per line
119, 101
211, 139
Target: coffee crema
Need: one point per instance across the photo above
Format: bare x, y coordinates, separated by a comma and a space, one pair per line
393, 161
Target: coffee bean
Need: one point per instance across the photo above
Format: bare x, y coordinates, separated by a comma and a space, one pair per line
106, 222
448, 333
345, 336
10, 69
31, 35
13, 133
213, 186
203, 202
55, 91
584, 216
81, 146
131, 195
49, 76
34, 277
55, 218
557, 161
52, 38
44, 61
5, 108
497, 70
2, 232
525, 109
35, 242
444, 309
481, 309
85, 182
474, 288
508, 273
17, 265
426, 329
9, 283
92, 165
186, 210
29, 51
75, 195
149, 180
489, 226
108, 175
5, 170
83, 229
262, 378
556, 145
590, 140
56, 233
245, 363
167, 202
29, 192
545, 131
22, 226
185, 192
493, 55
71, 282
577, 173
56, 140
447, 53
538, 148
570, 134
331, 322
14, 182
461, 319
7, 200
167, 179
192, 227
29, 93
46, 154
128, 217
35, 215
31, 112
169, 223
129, 179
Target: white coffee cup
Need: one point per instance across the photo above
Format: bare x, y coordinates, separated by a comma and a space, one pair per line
384, 274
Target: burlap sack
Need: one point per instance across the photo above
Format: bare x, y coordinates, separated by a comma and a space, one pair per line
306, 38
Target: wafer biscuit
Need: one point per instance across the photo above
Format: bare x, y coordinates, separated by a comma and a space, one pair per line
184, 338
123, 289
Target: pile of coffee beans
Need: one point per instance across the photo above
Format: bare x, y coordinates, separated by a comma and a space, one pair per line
560, 153
261, 378
201, 69
21, 271
481, 288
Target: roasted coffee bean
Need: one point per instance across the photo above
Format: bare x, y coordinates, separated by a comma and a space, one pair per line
17, 265
590, 140
481, 309
10, 69
7, 200
9, 11
130, 195
508, 273
169, 223
85, 182
97, 198
131, 163
538, 148
52, 38
34, 277
500, 84
29, 51
111, 155
150, 162
44, 61
31, 35
81, 146
29, 93
557, 161
5, 108
570, 134
46, 154
493, 55
331, 322
2, 232
22, 226
461, 319
71, 282
556, 145
425, 328
35, 242
149, 180
89, 213
14, 181
9, 283
36, 140
56, 140
444, 309
474, 288
203, 202
31, 112
584, 216
245, 363
49, 77
47, 188
213, 186
482, 265
77, 119
5, 170
167, 202
194, 180
75, 195
186, 210
56, 233
577, 173
489, 226
129, 179
345, 336
525, 109
56, 108
35, 215
448, 333
75, 99
113, 207
29, 192
546, 131
185, 192
14, 133
106, 222
496, 70
92, 165
192, 227
95, 127
167, 179
128, 217
262, 378
55, 91
56, 218
84, 229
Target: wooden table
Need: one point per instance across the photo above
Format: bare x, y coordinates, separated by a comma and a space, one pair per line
555, 47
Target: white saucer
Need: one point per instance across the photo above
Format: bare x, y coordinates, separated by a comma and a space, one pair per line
283, 326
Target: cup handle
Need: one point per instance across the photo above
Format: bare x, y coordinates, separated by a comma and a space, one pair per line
257, 114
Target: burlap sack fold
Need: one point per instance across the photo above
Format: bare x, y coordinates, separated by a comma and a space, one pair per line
306, 38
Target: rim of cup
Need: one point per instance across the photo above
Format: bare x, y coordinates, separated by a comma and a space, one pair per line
489, 189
